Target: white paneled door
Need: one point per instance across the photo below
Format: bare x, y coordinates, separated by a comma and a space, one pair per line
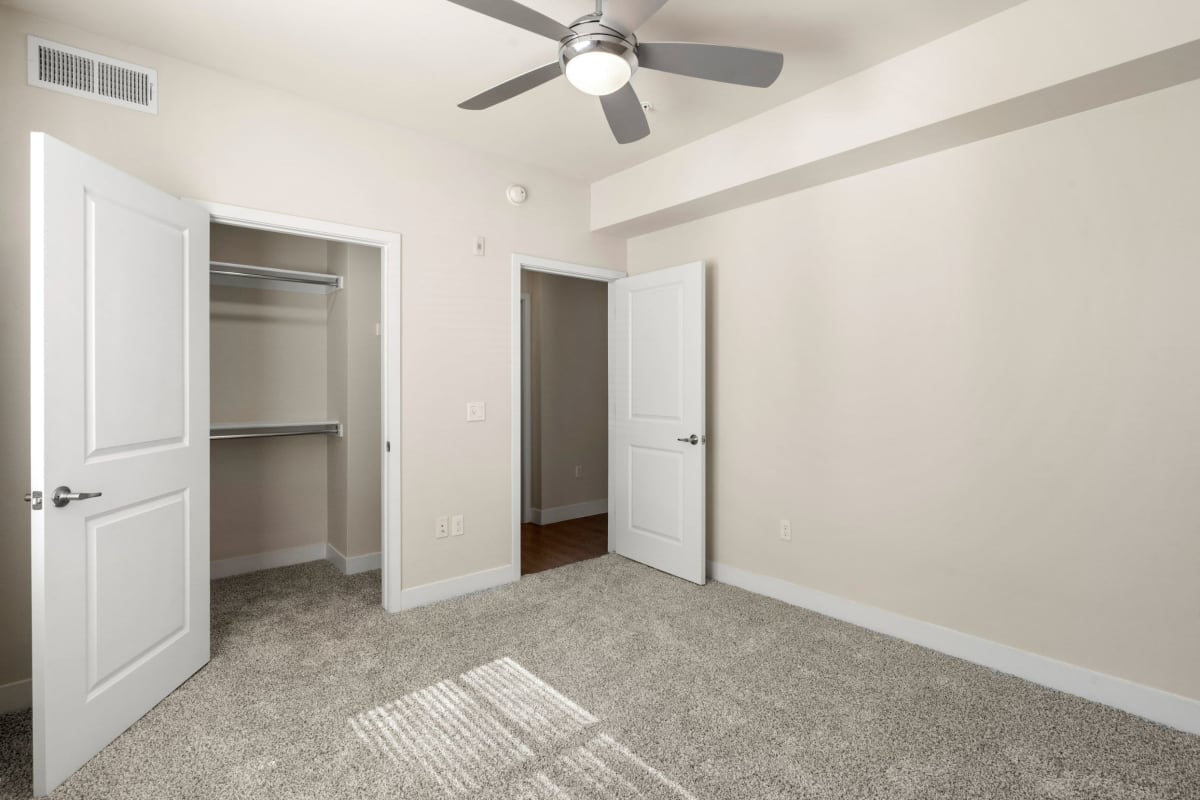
656, 419
119, 407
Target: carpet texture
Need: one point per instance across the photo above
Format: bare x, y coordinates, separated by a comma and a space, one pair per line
603, 679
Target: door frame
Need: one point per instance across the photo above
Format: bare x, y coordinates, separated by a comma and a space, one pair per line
554, 267
526, 408
389, 244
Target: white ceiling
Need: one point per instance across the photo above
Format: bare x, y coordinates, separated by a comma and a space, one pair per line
410, 62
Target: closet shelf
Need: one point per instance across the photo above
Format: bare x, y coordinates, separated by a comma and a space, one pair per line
286, 280
248, 430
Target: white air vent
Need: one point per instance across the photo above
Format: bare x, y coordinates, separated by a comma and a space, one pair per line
83, 74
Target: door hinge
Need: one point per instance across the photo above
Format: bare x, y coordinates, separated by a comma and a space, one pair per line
387, 446
35, 498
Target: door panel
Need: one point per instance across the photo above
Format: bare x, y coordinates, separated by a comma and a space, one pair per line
119, 406
134, 614
655, 492
656, 405
656, 370
134, 351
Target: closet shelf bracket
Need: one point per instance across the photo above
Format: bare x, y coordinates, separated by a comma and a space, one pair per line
250, 430
222, 273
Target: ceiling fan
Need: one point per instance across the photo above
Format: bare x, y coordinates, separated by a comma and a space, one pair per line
599, 53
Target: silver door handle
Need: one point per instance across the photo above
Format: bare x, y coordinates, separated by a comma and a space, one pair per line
63, 495
693, 439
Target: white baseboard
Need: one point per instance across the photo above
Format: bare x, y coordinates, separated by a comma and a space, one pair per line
548, 516
269, 560
352, 565
16, 696
454, 587
1153, 704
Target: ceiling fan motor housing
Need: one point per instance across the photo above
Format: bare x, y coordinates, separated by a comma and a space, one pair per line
590, 37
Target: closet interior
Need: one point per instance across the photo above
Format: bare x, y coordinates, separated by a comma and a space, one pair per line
296, 384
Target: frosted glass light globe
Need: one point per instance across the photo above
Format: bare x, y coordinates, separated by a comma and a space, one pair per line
598, 73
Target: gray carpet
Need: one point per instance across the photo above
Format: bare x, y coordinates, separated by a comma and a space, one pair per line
603, 679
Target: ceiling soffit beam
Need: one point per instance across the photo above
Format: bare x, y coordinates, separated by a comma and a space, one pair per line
1038, 61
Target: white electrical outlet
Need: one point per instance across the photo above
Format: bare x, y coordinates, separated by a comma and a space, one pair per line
456, 525
785, 530
578, 470
480, 245
442, 528
476, 411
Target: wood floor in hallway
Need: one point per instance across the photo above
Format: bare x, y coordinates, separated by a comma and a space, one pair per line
561, 543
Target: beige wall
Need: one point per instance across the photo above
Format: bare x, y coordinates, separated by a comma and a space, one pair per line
569, 321
230, 141
269, 351
267, 494
355, 519
971, 383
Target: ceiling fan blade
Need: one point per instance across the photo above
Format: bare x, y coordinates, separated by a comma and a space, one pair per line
713, 62
625, 115
629, 15
516, 14
513, 87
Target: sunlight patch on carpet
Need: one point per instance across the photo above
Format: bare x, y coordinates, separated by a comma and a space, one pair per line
602, 768
460, 735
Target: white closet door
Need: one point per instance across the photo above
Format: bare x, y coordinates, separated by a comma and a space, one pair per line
119, 417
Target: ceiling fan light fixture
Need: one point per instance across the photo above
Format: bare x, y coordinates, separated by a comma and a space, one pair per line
599, 53
598, 73
598, 64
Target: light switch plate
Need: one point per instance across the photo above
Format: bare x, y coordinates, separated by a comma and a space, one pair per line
456, 525
476, 411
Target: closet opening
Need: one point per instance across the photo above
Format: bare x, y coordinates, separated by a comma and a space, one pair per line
299, 443
563, 420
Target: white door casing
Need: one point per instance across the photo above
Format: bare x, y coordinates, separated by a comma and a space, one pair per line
526, 409
656, 385
119, 405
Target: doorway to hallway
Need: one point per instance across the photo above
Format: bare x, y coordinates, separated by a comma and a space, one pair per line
560, 543
564, 415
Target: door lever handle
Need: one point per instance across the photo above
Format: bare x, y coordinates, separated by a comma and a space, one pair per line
63, 495
693, 439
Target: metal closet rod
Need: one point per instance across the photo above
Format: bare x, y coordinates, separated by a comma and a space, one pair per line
249, 430
273, 274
